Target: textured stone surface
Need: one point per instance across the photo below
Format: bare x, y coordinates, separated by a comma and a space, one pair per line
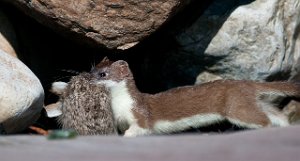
266, 144
112, 23
22, 95
257, 40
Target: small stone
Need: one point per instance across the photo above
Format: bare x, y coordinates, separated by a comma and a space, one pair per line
62, 134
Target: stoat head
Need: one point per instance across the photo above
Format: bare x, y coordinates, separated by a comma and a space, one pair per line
111, 73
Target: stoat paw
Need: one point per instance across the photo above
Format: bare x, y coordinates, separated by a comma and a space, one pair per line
129, 133
135, 130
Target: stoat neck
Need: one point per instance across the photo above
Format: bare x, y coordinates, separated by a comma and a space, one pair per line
123, 102
133, 90
141, 107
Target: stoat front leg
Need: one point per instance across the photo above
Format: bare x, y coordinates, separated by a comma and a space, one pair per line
135, 130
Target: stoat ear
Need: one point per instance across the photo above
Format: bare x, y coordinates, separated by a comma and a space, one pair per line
123, 67
53, 110
58, 87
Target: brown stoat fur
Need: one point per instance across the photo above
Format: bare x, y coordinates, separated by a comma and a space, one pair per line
84, 106
243, 103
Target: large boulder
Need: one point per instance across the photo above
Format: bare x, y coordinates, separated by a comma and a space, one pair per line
257, 40
21, 97
112, 23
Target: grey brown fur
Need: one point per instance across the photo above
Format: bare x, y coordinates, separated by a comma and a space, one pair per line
86, 107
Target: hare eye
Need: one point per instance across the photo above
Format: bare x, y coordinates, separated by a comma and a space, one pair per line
102, 74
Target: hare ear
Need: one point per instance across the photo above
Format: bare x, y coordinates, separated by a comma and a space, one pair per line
105, 59
53, 110
58, 87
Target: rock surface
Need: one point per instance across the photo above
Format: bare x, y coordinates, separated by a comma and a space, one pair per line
21, 97
277, 144
257, 40
113, 23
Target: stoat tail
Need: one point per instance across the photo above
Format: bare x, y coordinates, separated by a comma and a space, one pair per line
288, 89
285, 96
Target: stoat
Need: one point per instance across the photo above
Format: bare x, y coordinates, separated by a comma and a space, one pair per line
241, 102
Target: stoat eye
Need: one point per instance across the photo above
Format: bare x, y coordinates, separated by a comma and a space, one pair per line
102, 74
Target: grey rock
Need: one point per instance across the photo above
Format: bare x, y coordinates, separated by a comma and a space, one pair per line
21, 97
256, 40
